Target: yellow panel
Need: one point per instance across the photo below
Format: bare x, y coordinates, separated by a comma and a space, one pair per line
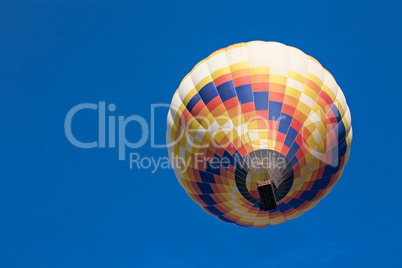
278, 79
296, 76
292, 92
311, 93
303, 108
315, 79
189, 96
238, 66
259, 70
203, 82
220, 72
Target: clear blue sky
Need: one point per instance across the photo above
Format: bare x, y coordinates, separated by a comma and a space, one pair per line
62, 206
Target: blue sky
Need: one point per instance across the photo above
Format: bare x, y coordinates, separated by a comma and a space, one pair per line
62, 206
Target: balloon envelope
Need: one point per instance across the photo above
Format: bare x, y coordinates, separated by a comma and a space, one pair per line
254, 111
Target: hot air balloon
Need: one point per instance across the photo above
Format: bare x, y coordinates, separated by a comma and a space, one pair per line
258, 133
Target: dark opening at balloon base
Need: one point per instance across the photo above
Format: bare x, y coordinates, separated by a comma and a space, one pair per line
267, 196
